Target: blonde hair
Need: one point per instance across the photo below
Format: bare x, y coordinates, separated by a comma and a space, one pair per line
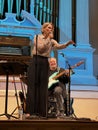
45, 25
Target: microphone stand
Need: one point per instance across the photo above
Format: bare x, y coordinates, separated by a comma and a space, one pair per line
68, 111
36, 77
68, 90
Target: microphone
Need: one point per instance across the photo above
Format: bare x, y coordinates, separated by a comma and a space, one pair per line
74, 45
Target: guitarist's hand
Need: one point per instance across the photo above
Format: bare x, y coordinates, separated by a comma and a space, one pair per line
67, 72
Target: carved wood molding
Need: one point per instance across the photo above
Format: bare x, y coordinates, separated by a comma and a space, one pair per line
14, 41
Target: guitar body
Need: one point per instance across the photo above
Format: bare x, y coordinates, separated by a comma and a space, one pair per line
52, 80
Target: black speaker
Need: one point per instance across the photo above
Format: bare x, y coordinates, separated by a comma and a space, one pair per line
26, 50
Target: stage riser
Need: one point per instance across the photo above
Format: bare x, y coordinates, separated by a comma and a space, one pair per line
48, 125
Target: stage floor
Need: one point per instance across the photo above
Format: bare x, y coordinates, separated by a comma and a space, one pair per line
68, 123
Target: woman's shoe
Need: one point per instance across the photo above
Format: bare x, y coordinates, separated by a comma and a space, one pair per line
32, 117
26, 115
43, 117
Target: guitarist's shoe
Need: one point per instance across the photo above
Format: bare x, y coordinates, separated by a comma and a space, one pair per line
60, 115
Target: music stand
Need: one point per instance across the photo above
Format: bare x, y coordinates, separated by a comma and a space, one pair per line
10, 68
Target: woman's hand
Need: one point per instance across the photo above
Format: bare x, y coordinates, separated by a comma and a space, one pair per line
71, 42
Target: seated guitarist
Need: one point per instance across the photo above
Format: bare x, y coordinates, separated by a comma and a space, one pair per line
58, 87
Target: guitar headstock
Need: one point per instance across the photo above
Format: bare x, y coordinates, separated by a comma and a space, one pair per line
79, 63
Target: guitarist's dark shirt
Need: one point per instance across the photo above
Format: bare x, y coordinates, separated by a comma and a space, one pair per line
64, 78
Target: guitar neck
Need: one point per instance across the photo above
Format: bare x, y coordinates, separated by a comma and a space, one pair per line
60, 74
64, 72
